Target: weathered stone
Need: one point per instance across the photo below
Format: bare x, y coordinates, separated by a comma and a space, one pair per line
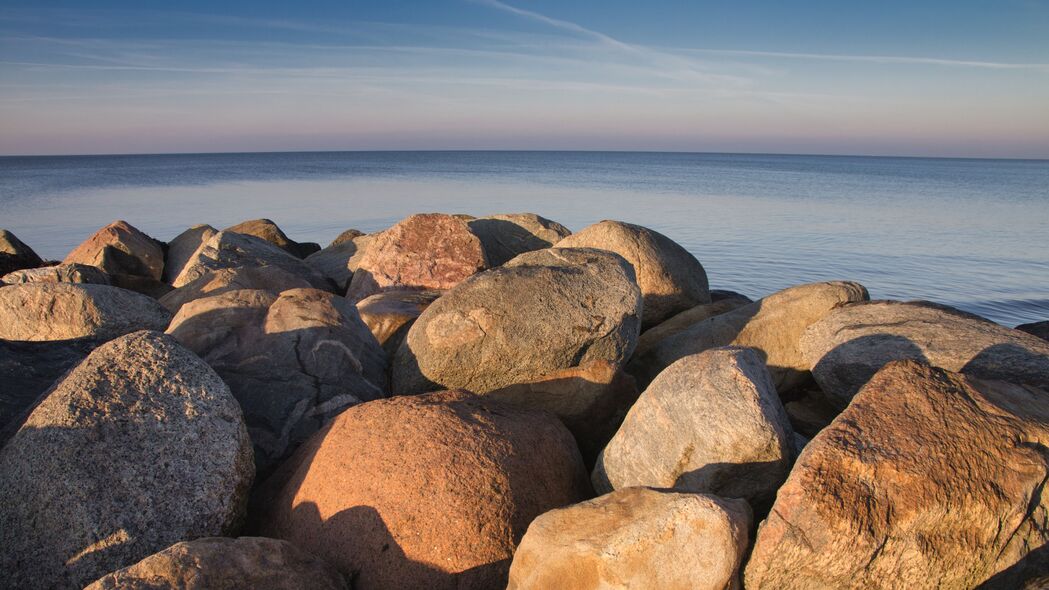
684, 320
218, 563
144, 285
338, 261
431, 491
15, 255
61, 273
183, 248
772, 325
929, 479
507, 235
216, 282
120, 248
390, 314
138, 447
293, 360
711, 423
671, 279
1039, 329
542, 312
810, 412
424, 252
721, 294
267, 230
346, 236
635, 538
851, 344
64, 311
233, 250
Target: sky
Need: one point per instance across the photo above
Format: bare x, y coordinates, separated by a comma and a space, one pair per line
923, 78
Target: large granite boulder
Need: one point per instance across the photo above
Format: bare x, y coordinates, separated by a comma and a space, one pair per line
183, 248
671, 279
61, 273
64, 311
138, 447
219, 563
542, 312
121, 249
15, 255
293, 360
773, 325
710, 423
216, 282
430, 491
684, 320
852, 343
346, 236
423, 252
267, 230
233, 250
339, 261
635, 538
507, 235
929, 479
390, 314
1039, 329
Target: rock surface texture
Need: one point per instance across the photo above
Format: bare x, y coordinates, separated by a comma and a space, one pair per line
139, 447
507, 235
218, 563
390, 314
120, 248
15, 255
1039, 329
226, 250
340, 260
183, 248
929, 479
430, 491
635, 538
62, 273
266, 278
682, 321
269, 231
671, 279
542, 312
65, 311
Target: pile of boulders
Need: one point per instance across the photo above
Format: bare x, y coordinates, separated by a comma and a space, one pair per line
487, 403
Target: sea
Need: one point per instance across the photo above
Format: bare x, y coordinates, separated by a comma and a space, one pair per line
970, 233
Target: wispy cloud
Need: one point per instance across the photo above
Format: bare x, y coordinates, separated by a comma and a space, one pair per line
882, 59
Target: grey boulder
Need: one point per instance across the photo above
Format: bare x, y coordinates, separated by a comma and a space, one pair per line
338, 261
229, 249
61, 273
216, 282
504, 236
15, 255
66, 311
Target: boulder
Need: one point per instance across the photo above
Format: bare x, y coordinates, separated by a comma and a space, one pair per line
685, 319
144, 285
233, 250
710, 423
635, 538
1039, 329
267, 230
720, 294
810, 412
120, 248
338, 261
62, 273
138, 447
851, 344
671, 279
346, 236
218, 563
293, 360
773, 325
429, 491
423, 252
507, 235
216, 282
390, 314
182, 249
542, 312
15, 255
928, 479
64, 311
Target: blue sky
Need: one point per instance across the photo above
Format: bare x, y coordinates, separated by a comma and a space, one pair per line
892, 78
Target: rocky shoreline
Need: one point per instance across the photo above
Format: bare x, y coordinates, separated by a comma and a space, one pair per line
497, 402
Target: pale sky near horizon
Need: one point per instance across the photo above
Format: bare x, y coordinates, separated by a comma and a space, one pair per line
930, 78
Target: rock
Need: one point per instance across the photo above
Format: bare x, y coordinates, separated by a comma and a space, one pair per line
15, 255
540, 313
1039, 329
684, 320
274, 279
267, 230
138, 447
217, 563
293, 360
710, 423
671, 279
390, 314
505, 236
64, 311
120, 248
635, 538
423, 252
62, 273
339, 261
590, 400
232, 250
721, 294
851, 344
810, 412
144, 285
772, 325
183, 248
929, 479
430, 491
346, 236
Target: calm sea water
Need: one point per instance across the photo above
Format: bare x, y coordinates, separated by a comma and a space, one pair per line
968, 233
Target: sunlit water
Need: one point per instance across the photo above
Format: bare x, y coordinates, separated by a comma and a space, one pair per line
968, 233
